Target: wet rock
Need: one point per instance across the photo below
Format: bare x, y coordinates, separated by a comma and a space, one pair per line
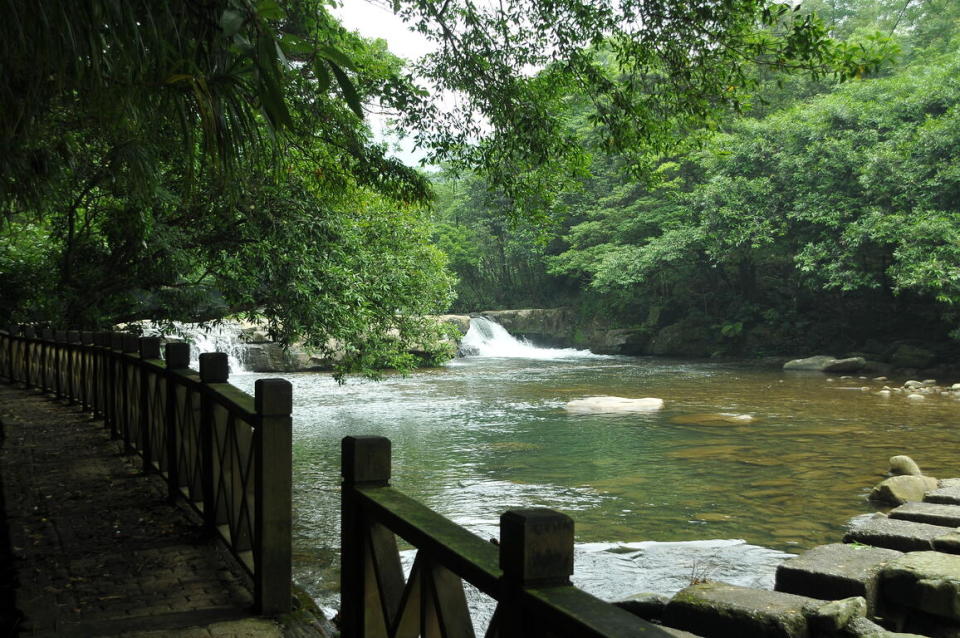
947, 493
904, 465
933, 513
718, 418
928, 581
647, 605
825, 363
904, 536
720, 610
866, 628
836, 614
601, 404
850, 364
897, 490
907, 356
836, 571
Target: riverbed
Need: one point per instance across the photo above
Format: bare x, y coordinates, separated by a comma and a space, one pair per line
780, 460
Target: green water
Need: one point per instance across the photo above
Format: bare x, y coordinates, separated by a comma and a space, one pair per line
483, 435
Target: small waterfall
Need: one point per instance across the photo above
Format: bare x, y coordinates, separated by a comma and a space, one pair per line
224, 337
487, 338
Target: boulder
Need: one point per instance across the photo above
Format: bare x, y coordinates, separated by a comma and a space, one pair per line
907, 356
904, 465
612, 405
648, 606
833, 616
897, 490
836, 571
826, 363
720, 610
927, 581
687, 338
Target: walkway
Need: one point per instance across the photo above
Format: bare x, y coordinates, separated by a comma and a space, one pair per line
96, 547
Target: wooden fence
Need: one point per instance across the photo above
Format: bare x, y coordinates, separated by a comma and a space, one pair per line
229, 455
528, 574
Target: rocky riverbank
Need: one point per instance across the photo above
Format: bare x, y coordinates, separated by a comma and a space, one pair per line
893, 573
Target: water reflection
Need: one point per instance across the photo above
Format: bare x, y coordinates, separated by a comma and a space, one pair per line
482, 435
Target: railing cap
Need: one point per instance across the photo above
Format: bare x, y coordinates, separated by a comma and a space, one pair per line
365, 459
214, 367
177, 355
273, 397
536, 547
130, 343
149, 347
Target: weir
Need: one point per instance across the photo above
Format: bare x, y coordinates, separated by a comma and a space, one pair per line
486, 338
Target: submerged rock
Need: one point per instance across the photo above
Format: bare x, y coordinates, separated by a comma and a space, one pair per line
607, 404
826, 363
715, 418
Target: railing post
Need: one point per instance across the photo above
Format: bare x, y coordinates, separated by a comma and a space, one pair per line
29, 334
214, 368
14, 331
536, 550
149, 349
101, 375
114, 391
130, 345
86, 370
72, 350
177, 356
365, 461
273, 438
59, 365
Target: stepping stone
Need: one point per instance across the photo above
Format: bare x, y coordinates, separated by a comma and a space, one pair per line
904, 536
720, 610
948, 493
927, 581
836, 571
933, 513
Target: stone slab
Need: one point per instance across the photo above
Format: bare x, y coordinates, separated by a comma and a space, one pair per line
897, 490
836, 571
948, 493
720, 610
904, 536
932, 513
927, 581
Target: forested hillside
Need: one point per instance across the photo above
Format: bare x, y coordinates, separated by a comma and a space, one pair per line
824, 214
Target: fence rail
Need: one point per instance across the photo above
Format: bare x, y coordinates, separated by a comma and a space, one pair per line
227, 454
528, 575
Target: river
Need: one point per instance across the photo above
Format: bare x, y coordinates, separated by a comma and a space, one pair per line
489, 432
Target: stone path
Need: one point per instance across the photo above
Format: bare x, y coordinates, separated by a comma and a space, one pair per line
96, 547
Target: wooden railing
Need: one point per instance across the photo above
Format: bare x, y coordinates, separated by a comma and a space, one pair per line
229, 455
528, 575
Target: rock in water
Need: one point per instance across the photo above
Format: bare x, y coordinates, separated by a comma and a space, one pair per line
902, 465
825, 363
613, 405
898, 490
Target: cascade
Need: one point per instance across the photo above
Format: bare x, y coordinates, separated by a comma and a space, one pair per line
487, 338
224, 337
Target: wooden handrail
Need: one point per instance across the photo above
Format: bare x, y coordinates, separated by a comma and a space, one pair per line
528, 574
227, 453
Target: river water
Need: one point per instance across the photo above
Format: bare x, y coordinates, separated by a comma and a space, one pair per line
489, 432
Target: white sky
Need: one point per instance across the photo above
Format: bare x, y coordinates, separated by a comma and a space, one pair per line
376, 20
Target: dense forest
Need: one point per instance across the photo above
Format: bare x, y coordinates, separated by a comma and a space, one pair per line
820, 215
755, 176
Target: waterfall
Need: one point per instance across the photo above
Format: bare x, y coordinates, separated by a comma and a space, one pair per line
487, 338
225, 337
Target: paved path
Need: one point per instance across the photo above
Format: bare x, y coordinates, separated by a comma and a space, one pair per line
97, 549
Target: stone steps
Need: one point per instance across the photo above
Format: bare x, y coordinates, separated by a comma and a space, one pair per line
928, 512
902, 535
948, 493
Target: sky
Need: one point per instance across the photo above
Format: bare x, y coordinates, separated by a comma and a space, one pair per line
376, 20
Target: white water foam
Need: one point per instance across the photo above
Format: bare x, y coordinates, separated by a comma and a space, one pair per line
223, 337
486, 338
